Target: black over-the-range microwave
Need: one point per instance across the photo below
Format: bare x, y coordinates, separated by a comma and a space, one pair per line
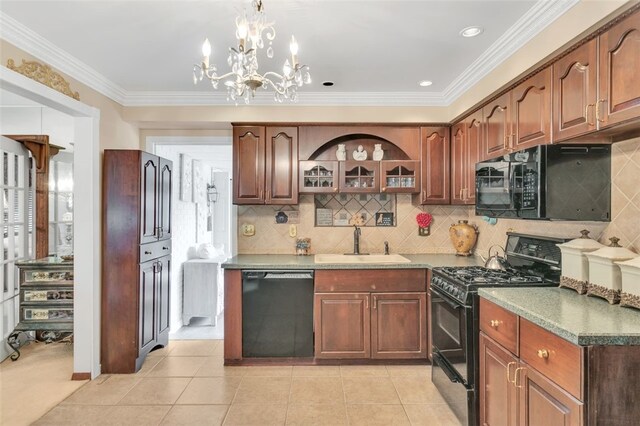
565, 182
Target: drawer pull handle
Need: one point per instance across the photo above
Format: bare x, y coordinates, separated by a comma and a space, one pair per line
543, 353
511, 364
495, 323
165, 248
147, 252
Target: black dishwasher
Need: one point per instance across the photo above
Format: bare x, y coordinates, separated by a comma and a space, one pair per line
277, 313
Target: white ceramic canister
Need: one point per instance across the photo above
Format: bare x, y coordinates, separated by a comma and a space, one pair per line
604, 274
630, 294
575, 265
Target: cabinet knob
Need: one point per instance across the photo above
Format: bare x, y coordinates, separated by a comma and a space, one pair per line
335, 189
495, 323
543, 353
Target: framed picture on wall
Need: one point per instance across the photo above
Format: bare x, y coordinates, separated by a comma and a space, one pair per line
186, 176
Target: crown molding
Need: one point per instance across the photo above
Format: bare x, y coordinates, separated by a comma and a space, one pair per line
34, 44
304, 99
543, 13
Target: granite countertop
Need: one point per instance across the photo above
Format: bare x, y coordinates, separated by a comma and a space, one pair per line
285, 261
582, 320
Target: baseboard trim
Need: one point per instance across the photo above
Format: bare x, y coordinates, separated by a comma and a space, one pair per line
81, 376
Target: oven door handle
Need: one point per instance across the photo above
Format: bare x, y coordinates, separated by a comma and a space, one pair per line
451, 374
447, 299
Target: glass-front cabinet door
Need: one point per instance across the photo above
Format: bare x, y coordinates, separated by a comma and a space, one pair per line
318, 176
400, 176
359, 176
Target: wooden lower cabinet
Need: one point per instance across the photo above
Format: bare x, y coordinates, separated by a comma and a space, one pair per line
370, 325
398, 325
542, 402
512, 392
498, 396
342, 325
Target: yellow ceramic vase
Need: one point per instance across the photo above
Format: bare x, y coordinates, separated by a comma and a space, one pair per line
464, 237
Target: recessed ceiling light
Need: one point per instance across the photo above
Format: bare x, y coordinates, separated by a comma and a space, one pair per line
327, 83
471, 31
425, 83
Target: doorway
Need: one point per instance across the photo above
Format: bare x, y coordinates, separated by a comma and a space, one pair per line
203, 223
86, 194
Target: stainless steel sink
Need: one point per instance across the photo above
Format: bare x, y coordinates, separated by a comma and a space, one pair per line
358, 258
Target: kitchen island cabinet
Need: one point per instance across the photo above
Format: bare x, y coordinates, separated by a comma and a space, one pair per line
562, 359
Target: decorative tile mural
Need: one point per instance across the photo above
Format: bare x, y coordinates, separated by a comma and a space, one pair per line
338, 209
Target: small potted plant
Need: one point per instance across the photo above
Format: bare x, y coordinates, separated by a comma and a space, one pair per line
424, 223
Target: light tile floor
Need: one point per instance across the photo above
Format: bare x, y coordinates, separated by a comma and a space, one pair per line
186, 383
35, 383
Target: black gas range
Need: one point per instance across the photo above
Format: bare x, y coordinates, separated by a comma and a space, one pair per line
532, 261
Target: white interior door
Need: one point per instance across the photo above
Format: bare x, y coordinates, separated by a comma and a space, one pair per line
16, 204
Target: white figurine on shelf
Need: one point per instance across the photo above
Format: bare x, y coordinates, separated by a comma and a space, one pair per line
360, 154
341, 152
378, 153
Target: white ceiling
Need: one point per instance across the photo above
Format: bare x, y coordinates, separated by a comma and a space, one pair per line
141, 52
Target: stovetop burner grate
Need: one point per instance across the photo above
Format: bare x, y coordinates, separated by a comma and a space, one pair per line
480, 275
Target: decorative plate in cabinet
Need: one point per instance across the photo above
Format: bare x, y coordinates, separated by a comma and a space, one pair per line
575, 265
630, 295
604, 274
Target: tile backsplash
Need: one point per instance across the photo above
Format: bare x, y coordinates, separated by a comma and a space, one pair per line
403, 238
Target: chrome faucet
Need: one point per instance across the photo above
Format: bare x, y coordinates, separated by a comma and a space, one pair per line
386, 247
356, 239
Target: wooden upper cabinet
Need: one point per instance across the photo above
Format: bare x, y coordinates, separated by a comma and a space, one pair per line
265, 165
399, 176
497, 127
474, 146
281, 181
248, 165
531, 112
575, 86
318, 176
359, 176
165, 189
435, 165
149, 198
619, 97
458, 162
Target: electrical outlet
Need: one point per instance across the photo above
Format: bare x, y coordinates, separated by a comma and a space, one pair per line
248, 230
293, 231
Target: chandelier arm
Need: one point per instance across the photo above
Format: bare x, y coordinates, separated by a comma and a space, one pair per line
274, 87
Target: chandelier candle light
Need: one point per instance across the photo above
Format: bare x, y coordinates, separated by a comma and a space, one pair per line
424, 223
244, 79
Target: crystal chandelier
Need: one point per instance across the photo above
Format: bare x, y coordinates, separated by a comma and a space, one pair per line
244, 79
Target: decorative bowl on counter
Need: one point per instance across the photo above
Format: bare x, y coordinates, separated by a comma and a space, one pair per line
604, 273
575, 265
630, 294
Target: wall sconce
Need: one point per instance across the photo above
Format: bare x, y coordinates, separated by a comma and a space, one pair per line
212, 194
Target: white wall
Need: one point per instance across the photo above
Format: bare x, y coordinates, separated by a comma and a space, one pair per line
32, 120
185, 233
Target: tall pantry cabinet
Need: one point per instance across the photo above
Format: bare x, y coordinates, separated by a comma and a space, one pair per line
136, 257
